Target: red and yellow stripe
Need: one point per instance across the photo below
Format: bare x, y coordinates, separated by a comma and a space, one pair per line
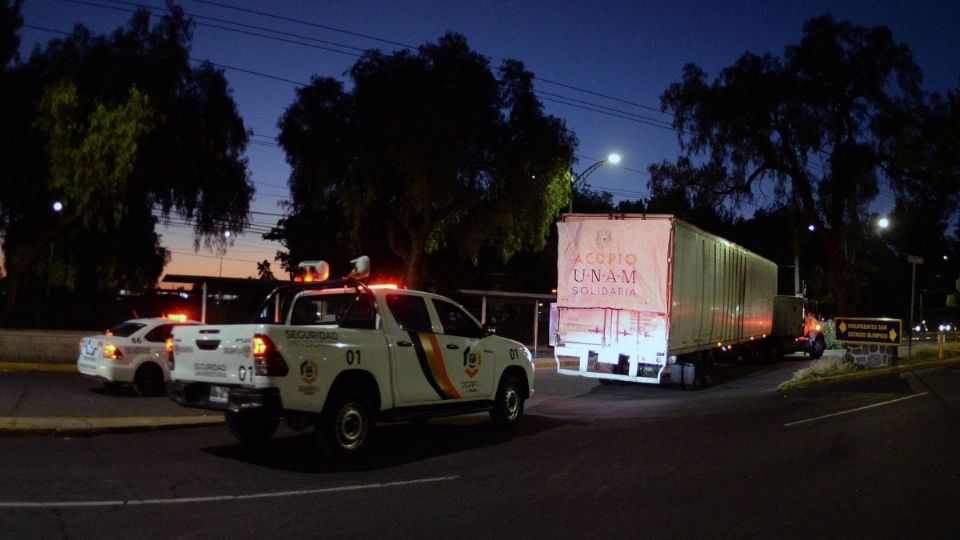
431, 362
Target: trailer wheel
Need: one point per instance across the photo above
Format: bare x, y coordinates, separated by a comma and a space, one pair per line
702, 373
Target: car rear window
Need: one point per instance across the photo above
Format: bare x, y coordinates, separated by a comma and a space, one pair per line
126, 329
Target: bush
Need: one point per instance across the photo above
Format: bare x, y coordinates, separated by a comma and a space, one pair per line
830, 335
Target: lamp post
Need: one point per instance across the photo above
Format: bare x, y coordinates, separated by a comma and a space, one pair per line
226, 236
613, 159
57, 208
914, 260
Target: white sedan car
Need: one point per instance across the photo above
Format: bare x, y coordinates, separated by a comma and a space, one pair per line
131, 352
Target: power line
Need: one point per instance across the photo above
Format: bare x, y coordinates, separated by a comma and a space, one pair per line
306, 23
643, 120
597, 94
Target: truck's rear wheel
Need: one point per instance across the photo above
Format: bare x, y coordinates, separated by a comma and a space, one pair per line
345, 426
508, 406
251, 426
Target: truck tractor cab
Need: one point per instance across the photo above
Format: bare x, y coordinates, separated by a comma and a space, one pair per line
812, 342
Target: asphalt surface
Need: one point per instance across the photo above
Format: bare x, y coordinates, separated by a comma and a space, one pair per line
32, 402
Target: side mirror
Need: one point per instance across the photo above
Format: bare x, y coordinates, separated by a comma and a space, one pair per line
489, 329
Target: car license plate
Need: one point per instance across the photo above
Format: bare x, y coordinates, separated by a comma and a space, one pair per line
219, 394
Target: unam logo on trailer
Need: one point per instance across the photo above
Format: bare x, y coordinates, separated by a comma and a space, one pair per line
605, 264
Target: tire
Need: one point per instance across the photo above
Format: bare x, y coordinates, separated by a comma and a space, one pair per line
251, 426
508, 405
345, 426
149, 380
702, 373
817, 347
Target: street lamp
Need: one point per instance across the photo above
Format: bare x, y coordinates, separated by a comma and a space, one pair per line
883, 223
914, 260
613, 159
57, 208
226, 236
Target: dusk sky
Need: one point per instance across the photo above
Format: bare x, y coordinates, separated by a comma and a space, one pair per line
630, 51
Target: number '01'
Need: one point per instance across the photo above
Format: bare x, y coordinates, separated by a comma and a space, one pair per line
353, 356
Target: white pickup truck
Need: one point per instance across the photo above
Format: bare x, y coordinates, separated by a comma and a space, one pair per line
341, 355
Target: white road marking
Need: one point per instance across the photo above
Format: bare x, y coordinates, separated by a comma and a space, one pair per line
865, 407
220, 498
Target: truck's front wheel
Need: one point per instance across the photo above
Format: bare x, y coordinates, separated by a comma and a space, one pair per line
508, 407
251, 426
817, 346
345, 426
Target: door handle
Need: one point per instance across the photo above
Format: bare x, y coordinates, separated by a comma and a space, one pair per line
452, 346
404, 344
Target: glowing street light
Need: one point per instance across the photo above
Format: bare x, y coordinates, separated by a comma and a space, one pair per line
57, 206
883, 223
581, 178
226, 236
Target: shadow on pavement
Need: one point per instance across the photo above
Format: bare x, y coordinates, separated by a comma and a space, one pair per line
119, 391
391, 444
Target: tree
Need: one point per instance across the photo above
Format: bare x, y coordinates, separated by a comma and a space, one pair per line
809, 130
925, 173
120, 129
10, 21
428, 149
263, 270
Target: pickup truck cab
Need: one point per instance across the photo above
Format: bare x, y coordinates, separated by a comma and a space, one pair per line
341, 355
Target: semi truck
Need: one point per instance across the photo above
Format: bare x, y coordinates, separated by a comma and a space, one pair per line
650, 298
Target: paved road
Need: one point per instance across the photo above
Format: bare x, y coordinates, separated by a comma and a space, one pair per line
875, 459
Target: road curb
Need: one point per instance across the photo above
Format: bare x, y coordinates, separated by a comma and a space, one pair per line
865, 374
38, 366
30, 426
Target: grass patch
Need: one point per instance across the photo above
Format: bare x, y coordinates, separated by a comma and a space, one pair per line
827, 367
920, 354
928, 353
824, 367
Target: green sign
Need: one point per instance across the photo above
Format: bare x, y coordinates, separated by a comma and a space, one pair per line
869, 331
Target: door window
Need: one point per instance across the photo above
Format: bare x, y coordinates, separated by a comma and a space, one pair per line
410, 312
456, 321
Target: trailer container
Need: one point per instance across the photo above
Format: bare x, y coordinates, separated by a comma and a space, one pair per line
652, 299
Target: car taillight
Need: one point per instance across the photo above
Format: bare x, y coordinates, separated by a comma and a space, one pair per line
111, 351
267, 359
169, 347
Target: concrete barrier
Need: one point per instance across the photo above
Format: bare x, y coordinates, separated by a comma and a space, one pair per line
41, 346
